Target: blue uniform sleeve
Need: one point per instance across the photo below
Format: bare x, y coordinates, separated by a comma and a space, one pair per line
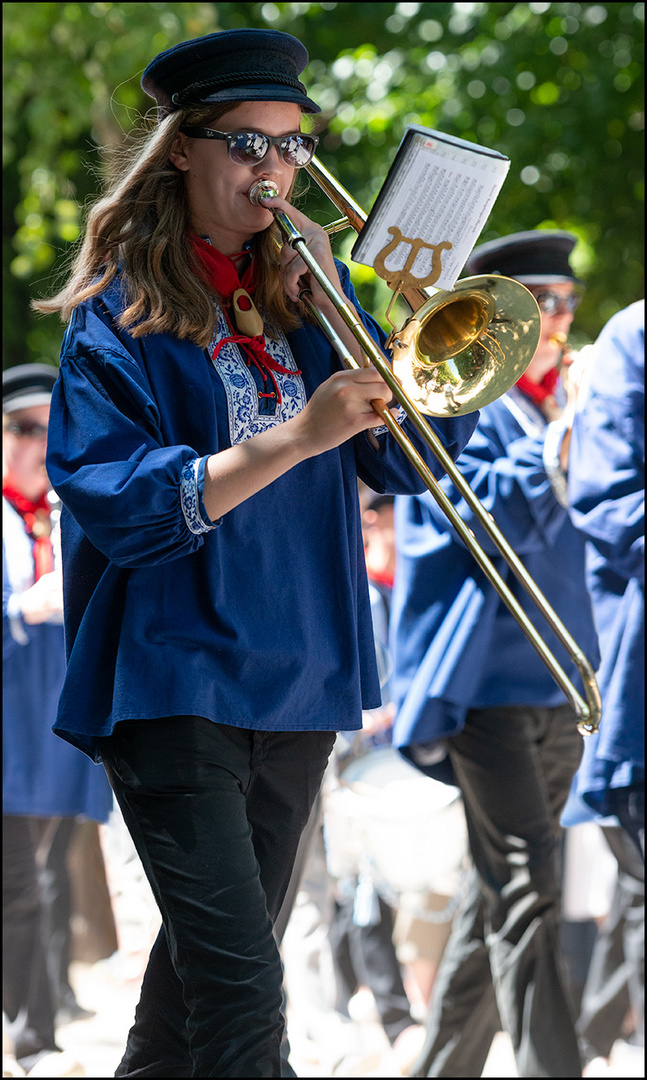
134, 497
505, 469
606, 471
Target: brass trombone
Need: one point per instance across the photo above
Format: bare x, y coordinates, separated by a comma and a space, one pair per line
450, 358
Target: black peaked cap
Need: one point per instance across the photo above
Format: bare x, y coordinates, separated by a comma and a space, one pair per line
26, 385
534, 257
232, 65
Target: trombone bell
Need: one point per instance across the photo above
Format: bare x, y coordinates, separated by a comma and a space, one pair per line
463, 349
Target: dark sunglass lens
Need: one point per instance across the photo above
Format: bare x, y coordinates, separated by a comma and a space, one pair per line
553, 303
247, 147
298, 150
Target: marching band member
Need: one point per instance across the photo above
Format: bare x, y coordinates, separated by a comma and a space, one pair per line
46, 784
477, 707
206, 448
606, 489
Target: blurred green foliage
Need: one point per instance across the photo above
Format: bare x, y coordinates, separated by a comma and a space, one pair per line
558, 87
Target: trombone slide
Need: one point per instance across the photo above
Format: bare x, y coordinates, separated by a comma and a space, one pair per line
587, 711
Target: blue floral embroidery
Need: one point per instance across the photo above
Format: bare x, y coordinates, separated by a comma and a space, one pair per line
399, 418
190, 498
245, 418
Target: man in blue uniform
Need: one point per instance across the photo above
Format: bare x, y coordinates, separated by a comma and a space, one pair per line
46, 783
606, 487
606, 484
477, 706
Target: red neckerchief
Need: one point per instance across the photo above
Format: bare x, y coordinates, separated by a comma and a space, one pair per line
221, 275
538, 392
220, 271
38, 526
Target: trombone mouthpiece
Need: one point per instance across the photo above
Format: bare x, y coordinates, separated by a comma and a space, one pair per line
262, 189
558, 339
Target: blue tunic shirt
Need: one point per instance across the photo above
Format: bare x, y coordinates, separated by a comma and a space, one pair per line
455, 644
261, 620
606, 485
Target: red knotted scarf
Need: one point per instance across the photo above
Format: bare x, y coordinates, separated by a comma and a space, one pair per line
220, 273
38, 526
538, 392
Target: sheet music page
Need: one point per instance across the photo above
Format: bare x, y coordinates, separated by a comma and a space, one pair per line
439, 190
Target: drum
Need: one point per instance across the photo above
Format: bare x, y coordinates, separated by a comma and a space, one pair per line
383, 818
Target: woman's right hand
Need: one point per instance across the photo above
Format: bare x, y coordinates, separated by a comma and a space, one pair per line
340, 408
43, 601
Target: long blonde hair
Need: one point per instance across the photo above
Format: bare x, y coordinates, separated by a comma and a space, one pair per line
140, 228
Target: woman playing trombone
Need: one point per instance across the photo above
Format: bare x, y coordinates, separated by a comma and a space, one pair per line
206, 447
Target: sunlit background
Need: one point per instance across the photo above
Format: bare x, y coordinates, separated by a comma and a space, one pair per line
558, 88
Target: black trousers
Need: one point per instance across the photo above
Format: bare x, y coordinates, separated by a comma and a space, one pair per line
216, 814
501, 966
365, 955
616, 977
36, 907
56, 891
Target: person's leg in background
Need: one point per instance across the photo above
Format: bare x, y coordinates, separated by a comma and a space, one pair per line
54, 838
630, 808
301, 862
317, 1030
615, 987
422, 925
26, 996
514, 766
365, 956
463, 1017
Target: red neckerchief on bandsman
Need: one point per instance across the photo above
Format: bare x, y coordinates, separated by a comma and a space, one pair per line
38, 526
221, 275
538, 392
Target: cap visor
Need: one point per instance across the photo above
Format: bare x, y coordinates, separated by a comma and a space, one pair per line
271, 92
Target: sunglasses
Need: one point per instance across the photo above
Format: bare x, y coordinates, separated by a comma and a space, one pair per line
551, 303
26, 429
250, 147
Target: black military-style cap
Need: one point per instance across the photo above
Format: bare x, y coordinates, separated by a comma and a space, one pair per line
26, 385
533, 258
232, 65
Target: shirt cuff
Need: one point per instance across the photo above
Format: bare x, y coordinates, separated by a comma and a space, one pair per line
191, 495
553, 438
400, 417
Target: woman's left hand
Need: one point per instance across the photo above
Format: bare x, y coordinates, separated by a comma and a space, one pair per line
296, 276
294, 272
